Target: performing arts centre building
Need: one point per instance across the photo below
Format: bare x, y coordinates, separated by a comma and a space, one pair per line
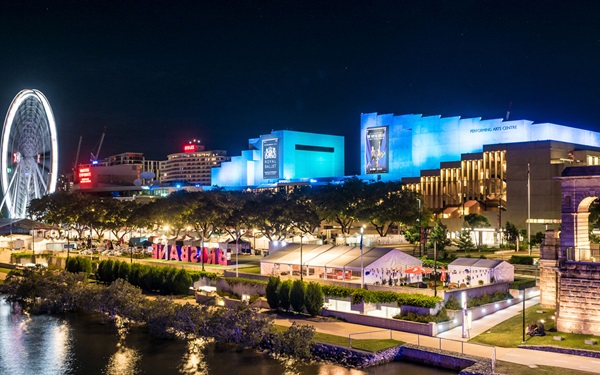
470, 165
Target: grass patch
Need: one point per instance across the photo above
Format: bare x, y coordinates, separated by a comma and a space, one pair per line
509, 334
250, 270
365, 345
510, 368
5, 270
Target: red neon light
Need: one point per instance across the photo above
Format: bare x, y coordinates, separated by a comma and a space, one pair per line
189, 148
85, 176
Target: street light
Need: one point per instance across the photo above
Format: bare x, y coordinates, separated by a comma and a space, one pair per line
420, 226
202, 247
362, 266
301, 236
237, 240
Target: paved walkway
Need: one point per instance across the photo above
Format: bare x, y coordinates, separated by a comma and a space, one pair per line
452, 340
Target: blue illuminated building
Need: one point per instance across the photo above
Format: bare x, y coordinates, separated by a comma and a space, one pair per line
469, 165
413, 143
284, 156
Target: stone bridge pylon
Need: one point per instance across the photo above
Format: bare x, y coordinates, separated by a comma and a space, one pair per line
569, 264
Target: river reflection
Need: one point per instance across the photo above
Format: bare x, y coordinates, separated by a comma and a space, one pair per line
76, 344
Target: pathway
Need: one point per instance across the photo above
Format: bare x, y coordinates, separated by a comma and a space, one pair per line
452, 340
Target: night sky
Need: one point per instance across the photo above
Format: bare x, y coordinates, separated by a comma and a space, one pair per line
157, 74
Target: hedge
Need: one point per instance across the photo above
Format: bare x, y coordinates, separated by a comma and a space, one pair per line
240, 280
376, 296
521, 259
79, 264
166, 280
521, 284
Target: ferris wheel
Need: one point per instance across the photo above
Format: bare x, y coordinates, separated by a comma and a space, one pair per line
29, 159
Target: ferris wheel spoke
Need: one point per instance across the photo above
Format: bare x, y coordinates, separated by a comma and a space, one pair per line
12, 181
39, 181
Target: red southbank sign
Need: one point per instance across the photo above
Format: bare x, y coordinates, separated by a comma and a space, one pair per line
85, 177
189, 148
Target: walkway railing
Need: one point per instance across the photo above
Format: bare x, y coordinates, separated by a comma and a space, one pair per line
457, 346
381, 334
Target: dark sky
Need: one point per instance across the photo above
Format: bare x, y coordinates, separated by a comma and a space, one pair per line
157, 73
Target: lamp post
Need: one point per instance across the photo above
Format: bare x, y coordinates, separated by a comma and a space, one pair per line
237, 240
523, 342
301, 236
68, 246
202, 247
420, 226
362, 266
254, 239
435, 268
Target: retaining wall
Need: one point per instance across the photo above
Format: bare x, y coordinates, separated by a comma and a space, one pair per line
427, 329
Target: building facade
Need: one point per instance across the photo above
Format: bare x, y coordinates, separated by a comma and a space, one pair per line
503, 170
193, 166
283, 157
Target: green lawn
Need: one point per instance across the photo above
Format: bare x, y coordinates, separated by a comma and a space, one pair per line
5, 270
509, 333
366, 345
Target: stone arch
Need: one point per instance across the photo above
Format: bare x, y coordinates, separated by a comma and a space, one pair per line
580, 186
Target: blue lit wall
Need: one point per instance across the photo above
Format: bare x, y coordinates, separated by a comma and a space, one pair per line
300, 156
418, 143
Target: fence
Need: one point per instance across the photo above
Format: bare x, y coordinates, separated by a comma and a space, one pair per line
456, 346
382, 334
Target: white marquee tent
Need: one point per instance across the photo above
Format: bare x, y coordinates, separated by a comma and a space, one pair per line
470, 270
341, 263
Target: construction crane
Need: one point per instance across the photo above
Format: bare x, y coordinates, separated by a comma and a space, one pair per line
94, 157
76, 160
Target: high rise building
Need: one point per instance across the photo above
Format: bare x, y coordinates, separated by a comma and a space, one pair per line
192, 166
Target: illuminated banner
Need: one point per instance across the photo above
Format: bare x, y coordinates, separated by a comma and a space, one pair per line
377, 150
271, 158
85, 177
189, 148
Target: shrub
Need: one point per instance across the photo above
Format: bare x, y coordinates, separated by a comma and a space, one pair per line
134, 274
453, 304
181, 282
124, 270
271, 292
442, 316
522, 284
79, 264
284, 294
297, 295
521, 259
313, 299
167, 284
114, 272
371, 296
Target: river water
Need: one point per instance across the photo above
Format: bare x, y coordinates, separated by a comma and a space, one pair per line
77, 344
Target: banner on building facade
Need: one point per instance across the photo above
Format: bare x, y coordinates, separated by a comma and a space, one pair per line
271, 158
377, 150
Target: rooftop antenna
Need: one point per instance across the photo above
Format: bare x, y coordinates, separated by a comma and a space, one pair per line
508, 110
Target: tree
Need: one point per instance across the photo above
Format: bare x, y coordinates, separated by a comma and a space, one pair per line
271, 292
284, 294
473, 221
341, 203
511, 233
297, 295
386, 205
537, 239
314, 299
413, 236
465, 242
439, 235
